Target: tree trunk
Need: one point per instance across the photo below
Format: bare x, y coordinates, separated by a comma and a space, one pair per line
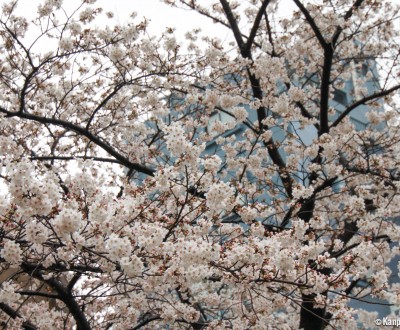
311, 318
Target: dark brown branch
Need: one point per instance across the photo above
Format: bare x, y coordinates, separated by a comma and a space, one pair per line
233, 24
68, 299
349, 13
82, 131
258, 94
352, 285
271, 40
277, 159
326, 71
310, 316
38, 294
254, 29
11, 312
305, 113
352, 246
96, 159
306, 209
103, 103
364, 101
214, 19
73, 281
325, 84
362, 300
147, 321
64, 295
312, 23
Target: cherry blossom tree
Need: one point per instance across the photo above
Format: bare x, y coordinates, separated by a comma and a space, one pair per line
152, 183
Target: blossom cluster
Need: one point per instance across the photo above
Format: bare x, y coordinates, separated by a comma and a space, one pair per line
153, 182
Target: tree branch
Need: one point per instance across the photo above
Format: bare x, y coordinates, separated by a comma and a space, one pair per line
364, 101
258, 94
82, 131
64, 295
96, 159
39, 294
147, 321
214, 18
312, 23
256, 25
68, 299
103, 103
349, 13
235, 28
324, 91
11, 312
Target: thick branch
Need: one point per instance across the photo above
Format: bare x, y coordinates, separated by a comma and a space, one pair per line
349, 13
364, 101
82, 131
312, 23
73, 307
64, 295
255, 27
11, 312
73, 281
147, 321
232, 22
352, 246
214, 18
103, 103
96, 159
325, 83
307, 205
38, 294
310, 316
326, 71
258, 94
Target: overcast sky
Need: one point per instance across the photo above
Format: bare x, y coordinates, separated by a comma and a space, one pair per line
159, 14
